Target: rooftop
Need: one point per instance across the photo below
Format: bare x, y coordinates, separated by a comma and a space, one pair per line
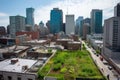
37, 41
13, 48
64, 39
7, 65
99, 41
74, 42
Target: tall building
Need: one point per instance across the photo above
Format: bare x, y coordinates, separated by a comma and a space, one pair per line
96, 21
111, 41
86, 30
48, 26
70, 24
78, 28
17, 23
41, 24
30, 17
2, 31
42, 29
56, 20
8, 29
88, 22
64, 27
111, 37
117, 10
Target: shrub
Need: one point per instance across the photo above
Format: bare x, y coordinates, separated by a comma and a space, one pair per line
71, 70
49, 50
83, 47
40, 76
63, 70
57, 67
59, 60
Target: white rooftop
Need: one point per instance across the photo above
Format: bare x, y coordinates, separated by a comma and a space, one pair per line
37, 41
99, 41
17, 67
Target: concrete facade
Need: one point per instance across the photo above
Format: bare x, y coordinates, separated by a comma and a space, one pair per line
111, 46
17, 23
70, 24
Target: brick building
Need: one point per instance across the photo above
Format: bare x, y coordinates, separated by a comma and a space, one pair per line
33, 34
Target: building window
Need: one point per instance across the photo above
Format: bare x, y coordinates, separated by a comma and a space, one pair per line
19, 78
30, 79
1, 77
9, 78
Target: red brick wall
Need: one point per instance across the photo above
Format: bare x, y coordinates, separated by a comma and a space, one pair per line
34, 35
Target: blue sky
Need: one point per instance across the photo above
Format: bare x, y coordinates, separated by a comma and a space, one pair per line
14, 7
43, 7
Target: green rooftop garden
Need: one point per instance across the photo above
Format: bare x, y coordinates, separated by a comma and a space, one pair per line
68, 65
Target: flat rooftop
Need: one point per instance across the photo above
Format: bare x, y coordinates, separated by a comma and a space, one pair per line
36, 41
74, 42
99, 41
18, 66
64, 39
12, 48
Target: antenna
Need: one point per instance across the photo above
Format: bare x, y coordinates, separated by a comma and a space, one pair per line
67, 3
67, 10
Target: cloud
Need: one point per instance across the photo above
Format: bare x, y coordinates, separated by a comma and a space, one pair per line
4, 19
76, 7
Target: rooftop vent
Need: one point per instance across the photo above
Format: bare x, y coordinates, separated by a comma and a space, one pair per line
25, 67
13, 61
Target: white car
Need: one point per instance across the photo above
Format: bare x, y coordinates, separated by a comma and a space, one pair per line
109, 67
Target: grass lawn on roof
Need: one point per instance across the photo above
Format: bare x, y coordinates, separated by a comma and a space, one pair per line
68, 65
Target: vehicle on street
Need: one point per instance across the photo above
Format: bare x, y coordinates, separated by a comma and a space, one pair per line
101, 58
109, 67
105, 62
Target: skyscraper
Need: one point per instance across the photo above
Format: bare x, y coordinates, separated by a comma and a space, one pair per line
17, 23
88, 22
86, 27
96, 21
78, 29
56, 20
111, 37
30, 17
117, 10
70, 24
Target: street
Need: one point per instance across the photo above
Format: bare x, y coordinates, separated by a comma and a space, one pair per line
102, 67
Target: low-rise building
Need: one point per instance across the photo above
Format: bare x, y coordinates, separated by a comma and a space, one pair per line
7, 42
18, 69
96, 41
22, 38
38, 52
37, 42
69, 44
33, 34
13, 51
74, 45
63, 42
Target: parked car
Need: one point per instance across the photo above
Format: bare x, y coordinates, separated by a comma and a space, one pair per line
105, 62
109, 67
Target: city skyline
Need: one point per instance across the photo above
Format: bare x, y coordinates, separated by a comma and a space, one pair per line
43, 7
